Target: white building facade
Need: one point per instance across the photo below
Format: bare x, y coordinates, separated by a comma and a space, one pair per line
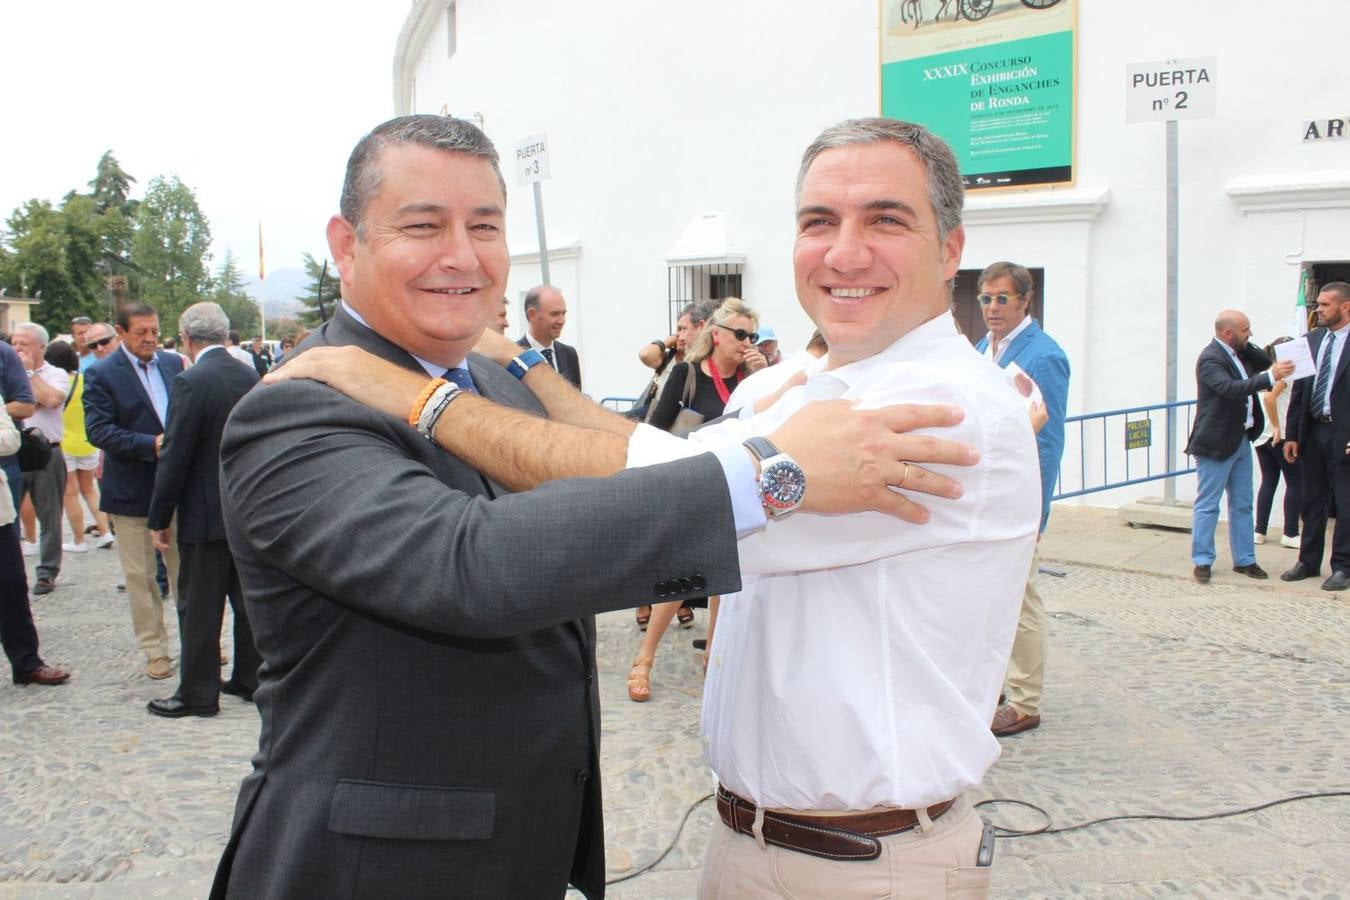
674, 134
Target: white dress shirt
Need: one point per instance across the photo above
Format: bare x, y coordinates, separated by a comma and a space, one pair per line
1248, 422
997, 348
152, 379
861, 663
552, 351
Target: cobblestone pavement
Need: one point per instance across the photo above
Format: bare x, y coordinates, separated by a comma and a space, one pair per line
1163, 696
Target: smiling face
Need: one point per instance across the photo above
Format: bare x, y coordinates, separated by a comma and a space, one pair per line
429, 269
869, 264
546, 320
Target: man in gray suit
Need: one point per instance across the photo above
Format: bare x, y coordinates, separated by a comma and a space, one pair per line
430, 724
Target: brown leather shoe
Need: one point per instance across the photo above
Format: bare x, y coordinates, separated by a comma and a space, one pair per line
1201, 574
1251, 571
48, 675
159, 668
1009, 721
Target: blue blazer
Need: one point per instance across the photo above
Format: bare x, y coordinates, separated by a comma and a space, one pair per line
120, 420
1041, 357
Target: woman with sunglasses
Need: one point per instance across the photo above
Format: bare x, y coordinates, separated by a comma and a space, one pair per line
722, 354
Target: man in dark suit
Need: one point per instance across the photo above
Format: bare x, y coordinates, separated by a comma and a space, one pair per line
187, 487
545, 315
1319, 432
429, 710
1228, 374
126, 402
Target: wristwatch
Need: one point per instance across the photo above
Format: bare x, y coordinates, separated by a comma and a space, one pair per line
782, 483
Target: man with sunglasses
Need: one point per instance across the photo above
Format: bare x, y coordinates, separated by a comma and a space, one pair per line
1006, 291
101, 340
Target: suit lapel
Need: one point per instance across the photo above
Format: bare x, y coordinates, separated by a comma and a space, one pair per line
1018, 345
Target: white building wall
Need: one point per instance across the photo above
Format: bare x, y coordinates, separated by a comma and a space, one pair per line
657, 114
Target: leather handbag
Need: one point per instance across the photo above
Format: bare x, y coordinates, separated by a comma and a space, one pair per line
35, 451
687, 419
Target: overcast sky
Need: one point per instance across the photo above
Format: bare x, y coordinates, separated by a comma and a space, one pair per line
254, 104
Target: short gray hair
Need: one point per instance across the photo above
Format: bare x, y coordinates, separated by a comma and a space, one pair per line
204, 323
946, 192
437, 132
697, 312
38, 331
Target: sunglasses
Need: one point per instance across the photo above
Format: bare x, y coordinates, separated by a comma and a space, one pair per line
1000, 299
98, 343
742, 334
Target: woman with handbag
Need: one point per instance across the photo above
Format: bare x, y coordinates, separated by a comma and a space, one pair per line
696, 391
81, 457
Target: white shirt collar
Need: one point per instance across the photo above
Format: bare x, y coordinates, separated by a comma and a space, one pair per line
997, 347
535, 344
435, 370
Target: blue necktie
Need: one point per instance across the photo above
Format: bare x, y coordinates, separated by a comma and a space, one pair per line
462, 379
1323, 376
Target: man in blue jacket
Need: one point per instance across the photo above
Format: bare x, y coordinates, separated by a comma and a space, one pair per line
1006, 291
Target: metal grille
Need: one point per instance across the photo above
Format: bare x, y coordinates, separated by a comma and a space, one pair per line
691, 284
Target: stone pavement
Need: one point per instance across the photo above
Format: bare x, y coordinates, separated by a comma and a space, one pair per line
1163, 696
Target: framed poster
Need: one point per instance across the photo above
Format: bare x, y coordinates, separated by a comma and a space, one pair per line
994, 78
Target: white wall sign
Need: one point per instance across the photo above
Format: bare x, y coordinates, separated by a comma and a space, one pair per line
532, 159
1326, 129
1174, 89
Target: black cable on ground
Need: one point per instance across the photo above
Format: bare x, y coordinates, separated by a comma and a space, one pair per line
669, 847
1005, 832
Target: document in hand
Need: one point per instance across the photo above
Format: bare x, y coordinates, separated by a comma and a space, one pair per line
1300, 354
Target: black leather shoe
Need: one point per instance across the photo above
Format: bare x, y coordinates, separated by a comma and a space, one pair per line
174, 708
1298, 573
1338, 581
1201, 574
235, 689
1251, 571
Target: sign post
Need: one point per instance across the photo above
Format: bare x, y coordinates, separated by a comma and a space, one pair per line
1168, 91
532, 168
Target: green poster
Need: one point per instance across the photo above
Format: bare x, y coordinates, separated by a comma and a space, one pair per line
999, 89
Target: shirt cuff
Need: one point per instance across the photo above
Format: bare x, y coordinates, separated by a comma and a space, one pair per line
746, 508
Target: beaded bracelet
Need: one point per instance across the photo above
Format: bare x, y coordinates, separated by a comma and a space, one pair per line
420, 403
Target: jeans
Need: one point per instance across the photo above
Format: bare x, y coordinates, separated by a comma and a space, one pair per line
1234, 475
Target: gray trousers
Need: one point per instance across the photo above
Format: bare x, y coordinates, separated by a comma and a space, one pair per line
47, 487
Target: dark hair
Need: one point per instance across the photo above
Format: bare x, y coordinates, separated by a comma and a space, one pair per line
234, 336
168, 343
63, 356
128, 311
1339, 288
437, 132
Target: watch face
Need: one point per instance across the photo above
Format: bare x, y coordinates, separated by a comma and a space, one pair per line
783, 484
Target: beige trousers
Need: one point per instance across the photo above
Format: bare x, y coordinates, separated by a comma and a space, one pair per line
916, 865
136, 552
1026, 665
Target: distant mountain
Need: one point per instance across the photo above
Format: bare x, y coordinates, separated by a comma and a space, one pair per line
279, 293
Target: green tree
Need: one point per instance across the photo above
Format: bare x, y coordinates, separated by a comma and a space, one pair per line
227, 289
111, 187
171, 247
319, 304
37, 263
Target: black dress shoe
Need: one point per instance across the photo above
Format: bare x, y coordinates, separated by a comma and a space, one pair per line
235, 689
1338, 581
1298, 573
1201, 574
174, 708
1251, 571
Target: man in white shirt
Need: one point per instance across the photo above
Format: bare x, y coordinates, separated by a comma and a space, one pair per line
47, 486
853, 678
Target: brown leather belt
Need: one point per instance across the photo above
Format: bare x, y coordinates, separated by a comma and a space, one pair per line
845, 837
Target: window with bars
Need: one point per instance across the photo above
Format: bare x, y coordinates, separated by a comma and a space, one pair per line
693, 284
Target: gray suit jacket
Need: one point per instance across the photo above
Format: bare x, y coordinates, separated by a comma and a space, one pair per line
429, 714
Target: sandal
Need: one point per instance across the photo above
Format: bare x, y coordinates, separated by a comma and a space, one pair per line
640, 680
644, 615
686, 617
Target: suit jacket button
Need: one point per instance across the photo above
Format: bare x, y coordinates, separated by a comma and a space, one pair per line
686, 585
698, 583
661, 589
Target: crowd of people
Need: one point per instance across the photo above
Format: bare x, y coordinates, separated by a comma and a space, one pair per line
414, 558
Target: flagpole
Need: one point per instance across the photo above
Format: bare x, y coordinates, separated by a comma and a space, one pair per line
262, 294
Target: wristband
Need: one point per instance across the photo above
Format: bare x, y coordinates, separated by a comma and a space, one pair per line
523, 363
438, 402
420, 404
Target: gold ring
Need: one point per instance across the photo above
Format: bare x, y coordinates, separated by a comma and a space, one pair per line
904, 477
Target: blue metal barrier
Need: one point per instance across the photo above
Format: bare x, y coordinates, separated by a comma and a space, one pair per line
1125, 440
618, 404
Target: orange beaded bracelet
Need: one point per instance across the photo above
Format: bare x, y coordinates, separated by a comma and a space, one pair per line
420, 403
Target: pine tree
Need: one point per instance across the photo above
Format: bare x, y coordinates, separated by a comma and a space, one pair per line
320, 302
